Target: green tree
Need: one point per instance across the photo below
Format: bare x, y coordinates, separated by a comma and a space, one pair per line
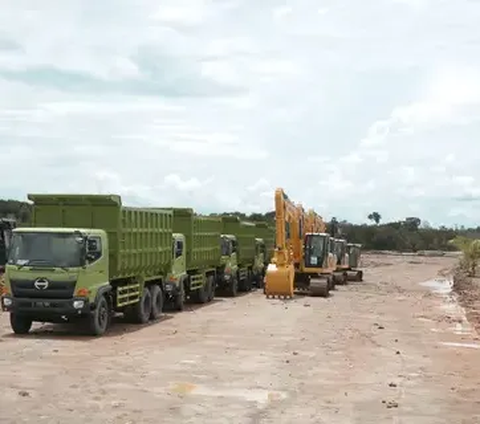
375, 217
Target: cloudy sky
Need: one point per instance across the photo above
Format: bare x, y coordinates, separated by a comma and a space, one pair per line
350, 106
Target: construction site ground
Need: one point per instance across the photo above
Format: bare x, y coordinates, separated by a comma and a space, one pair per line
395, 348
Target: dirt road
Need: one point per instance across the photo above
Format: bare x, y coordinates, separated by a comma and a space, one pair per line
388, 350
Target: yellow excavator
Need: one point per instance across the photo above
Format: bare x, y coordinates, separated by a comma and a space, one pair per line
301, 252
354, 252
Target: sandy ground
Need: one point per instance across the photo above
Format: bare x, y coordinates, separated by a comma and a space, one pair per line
388, 350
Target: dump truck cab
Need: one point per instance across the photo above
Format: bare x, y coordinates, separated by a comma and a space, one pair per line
229, 247
179, 264
54, 272
259, 266
6, 228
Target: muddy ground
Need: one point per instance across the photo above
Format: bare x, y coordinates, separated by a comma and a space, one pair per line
388, 350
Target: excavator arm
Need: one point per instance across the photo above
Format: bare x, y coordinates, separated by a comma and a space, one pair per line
281, 272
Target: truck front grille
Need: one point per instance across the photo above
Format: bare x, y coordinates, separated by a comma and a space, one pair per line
55, 290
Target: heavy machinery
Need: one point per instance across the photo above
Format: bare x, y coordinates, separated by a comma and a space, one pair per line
6, 227
239, 255
354, 251
300, 256
339, 250
264, 246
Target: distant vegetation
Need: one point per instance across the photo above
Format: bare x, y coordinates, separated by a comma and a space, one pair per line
410, 235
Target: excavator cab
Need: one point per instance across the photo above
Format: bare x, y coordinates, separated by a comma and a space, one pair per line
340, 248
354, 252
316, 249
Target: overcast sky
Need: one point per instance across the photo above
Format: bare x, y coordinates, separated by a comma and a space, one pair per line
351, 106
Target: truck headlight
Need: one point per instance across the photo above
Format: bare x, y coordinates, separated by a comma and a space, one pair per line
7, 301
78, 304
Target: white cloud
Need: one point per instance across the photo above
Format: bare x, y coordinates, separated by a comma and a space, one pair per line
351, 107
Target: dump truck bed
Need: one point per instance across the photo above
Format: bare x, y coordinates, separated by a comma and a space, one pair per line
202, 235
140, 240
245, 233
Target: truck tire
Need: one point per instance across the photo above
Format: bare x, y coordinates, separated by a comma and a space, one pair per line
20, 324
232, 288
143, 309
249, 281
179, 299
99, 318
201, 295
211, 288
157, 302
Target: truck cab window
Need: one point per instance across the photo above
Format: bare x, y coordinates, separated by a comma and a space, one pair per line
234, 246
178, 248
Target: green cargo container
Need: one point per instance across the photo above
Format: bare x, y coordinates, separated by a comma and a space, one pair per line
202, 235
267, 233
245, 234
140, 240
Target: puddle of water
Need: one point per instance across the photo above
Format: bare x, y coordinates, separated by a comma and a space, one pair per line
468, 345
253, 395
440, 286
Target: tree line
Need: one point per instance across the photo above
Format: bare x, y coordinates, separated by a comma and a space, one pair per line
409, 235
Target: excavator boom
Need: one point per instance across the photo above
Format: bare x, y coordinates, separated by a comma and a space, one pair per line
281, 273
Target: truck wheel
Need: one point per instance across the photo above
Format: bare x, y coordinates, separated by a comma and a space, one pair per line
157, 302
201, 294
99, 319
211, 288
179, 299
20, 324
249, 281
143, 308
232, 289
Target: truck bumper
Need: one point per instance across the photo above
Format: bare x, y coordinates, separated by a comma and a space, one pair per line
47, 309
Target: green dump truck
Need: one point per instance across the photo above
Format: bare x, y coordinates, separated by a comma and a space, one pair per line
264, 246
196, 257
85, 257
238, 248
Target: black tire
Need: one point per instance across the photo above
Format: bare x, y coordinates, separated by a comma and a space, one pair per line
359, 275
143, 308
232, 288
179, 300
99, 318
345, 278
20, 324
201, 295
249, 281
156, 294
211, 288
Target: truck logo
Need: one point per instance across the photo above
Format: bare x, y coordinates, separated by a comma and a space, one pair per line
41, 284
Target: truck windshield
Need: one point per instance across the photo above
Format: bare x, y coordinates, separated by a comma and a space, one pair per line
46, 249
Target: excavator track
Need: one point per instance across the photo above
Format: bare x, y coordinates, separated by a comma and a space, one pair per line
319, 287
355, 275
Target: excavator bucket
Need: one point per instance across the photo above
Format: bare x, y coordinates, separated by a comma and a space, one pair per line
279, 281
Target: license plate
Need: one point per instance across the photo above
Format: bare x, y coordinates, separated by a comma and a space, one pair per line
42, 304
